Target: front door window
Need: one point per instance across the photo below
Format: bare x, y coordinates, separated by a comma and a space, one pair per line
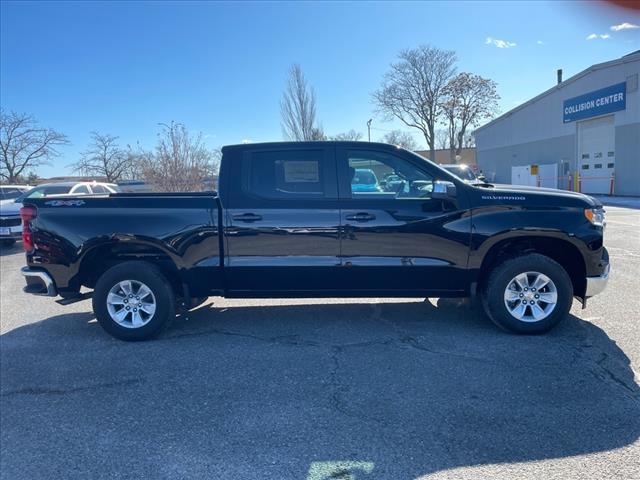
378, 175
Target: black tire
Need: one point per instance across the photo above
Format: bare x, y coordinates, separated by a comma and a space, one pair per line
149, 275
8, 242
502, 275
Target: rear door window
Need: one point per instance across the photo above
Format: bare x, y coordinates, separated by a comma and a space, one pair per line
288, 175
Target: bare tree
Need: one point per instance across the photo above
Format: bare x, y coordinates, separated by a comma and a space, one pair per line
104, 158
351, 135
414, 88
470, 99
469, 141
298, 108
216, 157
401, 139
24, 144
181, 163
317, 134
138, 161
442, 139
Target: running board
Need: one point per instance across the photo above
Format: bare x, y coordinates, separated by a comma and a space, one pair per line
78, 298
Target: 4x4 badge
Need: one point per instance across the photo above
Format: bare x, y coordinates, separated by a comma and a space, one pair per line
64, 203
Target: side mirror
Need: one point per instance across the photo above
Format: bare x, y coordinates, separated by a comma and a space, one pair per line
444, 190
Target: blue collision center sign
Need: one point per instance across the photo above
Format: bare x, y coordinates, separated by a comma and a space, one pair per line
592, 104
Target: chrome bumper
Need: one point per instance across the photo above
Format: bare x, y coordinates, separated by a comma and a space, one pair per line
596, 285
39, 282
7, 233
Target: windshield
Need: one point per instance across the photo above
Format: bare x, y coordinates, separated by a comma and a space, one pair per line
40, 192
10, 193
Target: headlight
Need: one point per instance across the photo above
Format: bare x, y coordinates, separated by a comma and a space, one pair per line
595, 216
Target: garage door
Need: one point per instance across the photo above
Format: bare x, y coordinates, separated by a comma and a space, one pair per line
596, 151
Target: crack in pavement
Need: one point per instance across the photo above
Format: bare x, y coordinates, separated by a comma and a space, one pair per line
281, 339
608, 373
68, 390
588, 352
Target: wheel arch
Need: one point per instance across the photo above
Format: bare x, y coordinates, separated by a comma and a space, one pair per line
562, 251
99, 258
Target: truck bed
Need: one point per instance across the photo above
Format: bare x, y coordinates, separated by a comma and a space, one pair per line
72, 233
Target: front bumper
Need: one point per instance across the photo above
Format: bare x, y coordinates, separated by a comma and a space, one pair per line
39, 282
596, 285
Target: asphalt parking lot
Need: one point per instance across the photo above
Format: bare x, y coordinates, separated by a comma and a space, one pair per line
325, 389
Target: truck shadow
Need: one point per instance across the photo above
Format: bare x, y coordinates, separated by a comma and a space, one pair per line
362, 390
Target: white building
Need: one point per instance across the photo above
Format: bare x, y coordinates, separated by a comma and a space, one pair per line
582, 134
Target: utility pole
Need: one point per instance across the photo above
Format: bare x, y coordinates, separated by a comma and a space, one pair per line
369, 127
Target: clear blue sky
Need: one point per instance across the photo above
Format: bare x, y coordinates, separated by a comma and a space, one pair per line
219, 68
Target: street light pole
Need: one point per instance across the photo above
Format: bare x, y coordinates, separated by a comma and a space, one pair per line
369, 127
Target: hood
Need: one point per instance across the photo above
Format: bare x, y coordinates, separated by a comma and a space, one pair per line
552, 196
9, 207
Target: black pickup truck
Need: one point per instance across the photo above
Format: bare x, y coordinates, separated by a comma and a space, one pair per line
319, 219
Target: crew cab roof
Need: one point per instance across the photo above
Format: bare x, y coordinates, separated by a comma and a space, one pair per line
310, 144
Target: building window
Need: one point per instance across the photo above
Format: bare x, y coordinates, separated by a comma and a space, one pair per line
610, 165
597, 165
597, 155
585, 167
610, 154
585, 156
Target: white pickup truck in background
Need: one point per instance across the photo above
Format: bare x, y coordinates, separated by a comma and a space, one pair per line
10, 222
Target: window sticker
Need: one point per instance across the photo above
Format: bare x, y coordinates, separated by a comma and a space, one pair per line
301, 171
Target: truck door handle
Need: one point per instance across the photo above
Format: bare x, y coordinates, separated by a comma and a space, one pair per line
247, 217
361, 217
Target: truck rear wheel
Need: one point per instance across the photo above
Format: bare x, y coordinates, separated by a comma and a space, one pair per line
134, 301
529, 294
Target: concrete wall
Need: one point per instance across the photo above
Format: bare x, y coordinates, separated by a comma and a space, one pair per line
496, 163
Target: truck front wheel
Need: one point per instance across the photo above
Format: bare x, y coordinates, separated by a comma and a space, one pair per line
134, 301
529, 294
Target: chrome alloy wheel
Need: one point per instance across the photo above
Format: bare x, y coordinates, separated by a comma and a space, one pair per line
131, 304
530, 297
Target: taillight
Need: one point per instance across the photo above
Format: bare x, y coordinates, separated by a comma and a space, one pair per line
27, 213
